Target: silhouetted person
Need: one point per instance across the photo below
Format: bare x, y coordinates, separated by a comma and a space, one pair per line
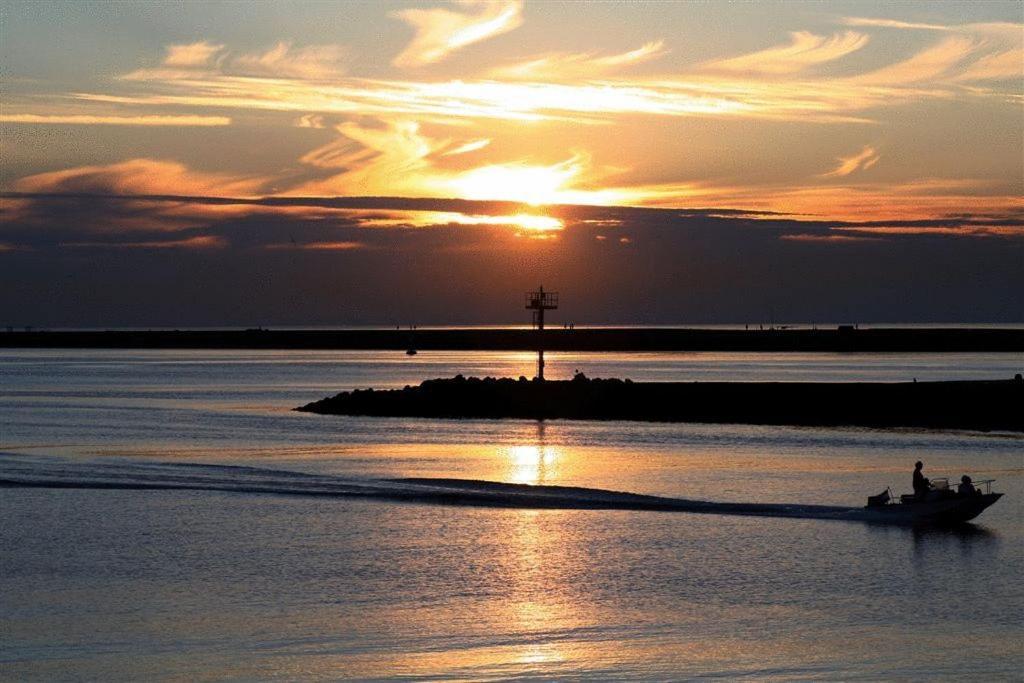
921, 482
966, 488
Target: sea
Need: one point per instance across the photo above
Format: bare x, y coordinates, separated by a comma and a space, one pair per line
166, 515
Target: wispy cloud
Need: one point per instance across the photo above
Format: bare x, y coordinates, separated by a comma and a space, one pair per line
192, 55
317, 246
809, 237
779, 83
398, 158
140, 176
804, 50
698, 96
284, 60
998, 66
861, 161
441, 31
143, 120
567, 65
977, 52
892, 23
468, 147
311, 62
197, 242
931, 63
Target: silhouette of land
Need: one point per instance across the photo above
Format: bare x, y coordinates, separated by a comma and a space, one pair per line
980, 405
604, 339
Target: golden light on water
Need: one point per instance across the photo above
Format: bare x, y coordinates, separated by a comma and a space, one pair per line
532, 464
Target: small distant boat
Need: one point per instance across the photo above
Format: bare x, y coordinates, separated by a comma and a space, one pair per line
410, 352
942, 506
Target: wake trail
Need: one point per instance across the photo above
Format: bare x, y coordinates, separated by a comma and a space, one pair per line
54, 473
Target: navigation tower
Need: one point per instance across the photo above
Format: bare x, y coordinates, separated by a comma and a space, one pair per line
539, 302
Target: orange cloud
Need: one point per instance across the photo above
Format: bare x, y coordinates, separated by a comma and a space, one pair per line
471, 146
199, 242
311, 62
931, 63
441, 31
399, 159
140, 176
192, 55
804, 50
805, 237
861, 161
317, 246
145, 120
283, 60
892, 23
954, 230
563, 65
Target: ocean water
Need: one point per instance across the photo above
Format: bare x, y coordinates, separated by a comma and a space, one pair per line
183, 523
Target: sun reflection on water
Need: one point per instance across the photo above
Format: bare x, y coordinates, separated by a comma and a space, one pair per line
533, 463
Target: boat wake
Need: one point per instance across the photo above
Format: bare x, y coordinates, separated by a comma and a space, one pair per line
18, 471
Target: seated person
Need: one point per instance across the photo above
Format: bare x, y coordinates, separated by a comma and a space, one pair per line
966, 488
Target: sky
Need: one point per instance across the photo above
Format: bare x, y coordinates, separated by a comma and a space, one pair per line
354, 163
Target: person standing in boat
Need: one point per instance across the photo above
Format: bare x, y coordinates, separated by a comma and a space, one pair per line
921, 483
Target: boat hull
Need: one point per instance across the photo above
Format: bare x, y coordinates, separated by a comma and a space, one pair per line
944, 511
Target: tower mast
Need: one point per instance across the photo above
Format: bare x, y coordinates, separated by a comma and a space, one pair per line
539, 302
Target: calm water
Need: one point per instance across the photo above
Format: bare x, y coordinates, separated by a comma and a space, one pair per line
130, 583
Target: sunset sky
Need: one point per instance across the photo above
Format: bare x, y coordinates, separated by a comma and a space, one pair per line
309, 163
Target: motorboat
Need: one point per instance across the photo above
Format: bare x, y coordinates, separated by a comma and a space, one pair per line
941, 505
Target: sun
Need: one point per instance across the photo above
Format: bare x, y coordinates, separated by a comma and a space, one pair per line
534, 185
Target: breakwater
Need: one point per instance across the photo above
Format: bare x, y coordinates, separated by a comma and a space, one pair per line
978, 405
602, 339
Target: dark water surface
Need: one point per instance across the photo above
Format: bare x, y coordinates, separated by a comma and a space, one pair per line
133, 583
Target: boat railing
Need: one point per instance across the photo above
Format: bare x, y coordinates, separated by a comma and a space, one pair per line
986, 482
942, 484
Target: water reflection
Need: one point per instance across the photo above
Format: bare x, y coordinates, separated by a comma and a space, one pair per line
535, 538
968, 540
535, 462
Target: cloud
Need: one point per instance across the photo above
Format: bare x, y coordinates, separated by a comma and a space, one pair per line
392, 160
861, 161
998, 66
399, 159
566, 65
981, 51
779, 83
198, 242
804, 50
696, 96
470, 146
139, 176
440, 31
144, 120
310, 121
931, 63
317, 246
192, 55
312, 62
284, 60
892, 23
800, 237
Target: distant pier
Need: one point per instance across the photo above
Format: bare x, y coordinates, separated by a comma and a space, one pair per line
600, 339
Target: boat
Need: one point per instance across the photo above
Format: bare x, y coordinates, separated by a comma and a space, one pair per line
941, 505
